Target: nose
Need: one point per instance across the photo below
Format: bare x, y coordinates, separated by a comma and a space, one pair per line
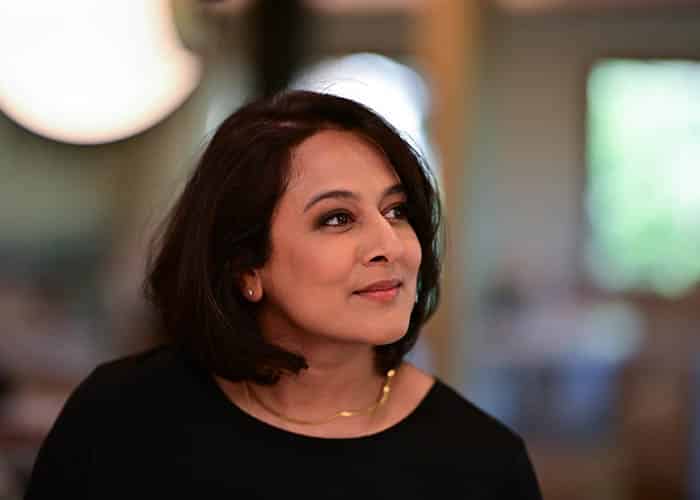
383, 242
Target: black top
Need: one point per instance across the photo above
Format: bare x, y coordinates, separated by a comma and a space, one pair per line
155, 425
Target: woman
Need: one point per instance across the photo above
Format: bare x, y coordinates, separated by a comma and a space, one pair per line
294, 274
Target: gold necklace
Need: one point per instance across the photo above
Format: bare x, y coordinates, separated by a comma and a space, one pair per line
383, 397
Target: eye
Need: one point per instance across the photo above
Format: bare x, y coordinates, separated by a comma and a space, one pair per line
337, 219
400, 211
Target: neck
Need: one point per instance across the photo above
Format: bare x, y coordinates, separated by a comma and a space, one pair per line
335, 380
341, 376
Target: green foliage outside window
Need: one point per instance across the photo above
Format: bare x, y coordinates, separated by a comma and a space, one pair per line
643, 197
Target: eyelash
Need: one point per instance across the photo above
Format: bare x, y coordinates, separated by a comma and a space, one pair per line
323, 221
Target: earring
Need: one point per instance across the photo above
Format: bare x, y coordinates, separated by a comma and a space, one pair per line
250, 292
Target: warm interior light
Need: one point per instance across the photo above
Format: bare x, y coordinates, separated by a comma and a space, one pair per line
92, 72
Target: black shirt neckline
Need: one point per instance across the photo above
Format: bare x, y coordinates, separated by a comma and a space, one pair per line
255, 425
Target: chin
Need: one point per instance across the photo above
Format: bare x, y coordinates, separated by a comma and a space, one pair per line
389, 336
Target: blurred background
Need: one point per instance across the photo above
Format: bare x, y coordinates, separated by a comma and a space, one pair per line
566, 136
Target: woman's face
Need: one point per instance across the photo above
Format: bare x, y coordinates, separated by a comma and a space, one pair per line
340, 227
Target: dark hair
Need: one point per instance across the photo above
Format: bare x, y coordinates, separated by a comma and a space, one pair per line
220, 227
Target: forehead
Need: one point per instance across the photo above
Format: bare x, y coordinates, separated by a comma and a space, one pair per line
336, 159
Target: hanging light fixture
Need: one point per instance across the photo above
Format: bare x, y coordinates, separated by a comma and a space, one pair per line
87, 72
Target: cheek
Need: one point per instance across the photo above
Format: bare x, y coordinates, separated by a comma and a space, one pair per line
317, 267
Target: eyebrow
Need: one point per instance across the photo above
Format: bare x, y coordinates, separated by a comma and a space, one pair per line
343, 194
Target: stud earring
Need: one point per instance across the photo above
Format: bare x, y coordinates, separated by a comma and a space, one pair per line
250, 292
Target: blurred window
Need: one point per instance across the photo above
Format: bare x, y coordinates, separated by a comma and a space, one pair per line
643, 194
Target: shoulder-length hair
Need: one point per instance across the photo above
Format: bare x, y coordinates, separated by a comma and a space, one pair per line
220, 228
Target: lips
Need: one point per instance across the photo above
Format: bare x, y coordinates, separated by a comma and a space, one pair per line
379, 286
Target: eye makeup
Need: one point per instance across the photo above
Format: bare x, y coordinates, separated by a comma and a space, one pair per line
323, 220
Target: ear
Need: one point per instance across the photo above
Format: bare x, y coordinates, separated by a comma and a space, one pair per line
250, 283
